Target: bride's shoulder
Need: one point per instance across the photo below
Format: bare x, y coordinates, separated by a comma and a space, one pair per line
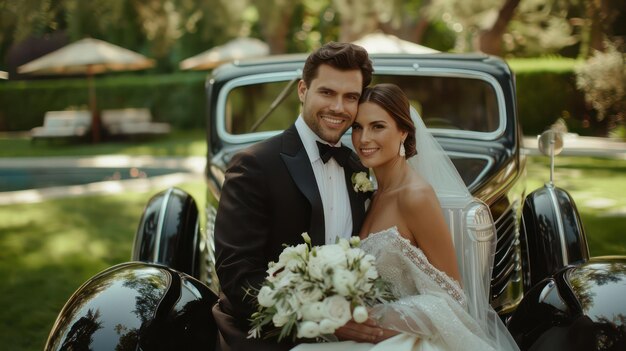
417, 195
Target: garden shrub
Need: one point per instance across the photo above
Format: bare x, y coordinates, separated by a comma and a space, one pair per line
546, 92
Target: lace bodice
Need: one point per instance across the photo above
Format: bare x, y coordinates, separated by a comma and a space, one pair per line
407, 268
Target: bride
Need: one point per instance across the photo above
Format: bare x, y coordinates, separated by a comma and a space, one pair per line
406, 231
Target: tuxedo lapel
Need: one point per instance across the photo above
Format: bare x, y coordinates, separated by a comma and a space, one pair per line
357, 200
297, 161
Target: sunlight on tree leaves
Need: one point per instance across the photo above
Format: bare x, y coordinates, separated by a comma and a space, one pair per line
603, 80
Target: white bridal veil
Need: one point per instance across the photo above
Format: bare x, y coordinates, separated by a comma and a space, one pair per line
471, 226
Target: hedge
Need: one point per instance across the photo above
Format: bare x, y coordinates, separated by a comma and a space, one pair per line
546, 91
175, 98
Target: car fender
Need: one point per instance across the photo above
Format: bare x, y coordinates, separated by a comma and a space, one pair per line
552, 234
169, 232
137, 306
579, 308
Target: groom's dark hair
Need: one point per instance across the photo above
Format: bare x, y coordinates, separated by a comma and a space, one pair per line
342, 56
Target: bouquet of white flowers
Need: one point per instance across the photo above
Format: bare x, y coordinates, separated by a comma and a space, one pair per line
312, 291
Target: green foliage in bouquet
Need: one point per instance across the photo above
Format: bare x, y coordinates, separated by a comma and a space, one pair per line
312, 291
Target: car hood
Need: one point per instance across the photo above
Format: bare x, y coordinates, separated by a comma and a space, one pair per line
599, 287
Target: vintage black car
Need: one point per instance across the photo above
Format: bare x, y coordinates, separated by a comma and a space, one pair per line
544, 285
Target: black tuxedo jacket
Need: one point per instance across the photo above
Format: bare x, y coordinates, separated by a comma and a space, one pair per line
269, 198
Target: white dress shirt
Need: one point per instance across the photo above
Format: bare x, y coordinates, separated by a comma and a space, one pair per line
331, 183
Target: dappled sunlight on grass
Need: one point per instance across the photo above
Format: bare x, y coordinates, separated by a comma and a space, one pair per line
598, 187
49, 249
62, 245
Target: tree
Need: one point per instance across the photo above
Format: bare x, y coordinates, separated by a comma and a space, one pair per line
490, 40
598, 24
275, 22
501, 26
405, 19
541, 28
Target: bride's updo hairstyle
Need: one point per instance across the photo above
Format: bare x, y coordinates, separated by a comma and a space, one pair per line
393, 100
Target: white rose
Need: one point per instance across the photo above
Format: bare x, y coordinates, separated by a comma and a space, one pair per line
294, 305
293, 256
266, 297
367, 261
360, 314
337, 309
361, 182
281, 317
327, 326
354, 254
287, 279
316, 268
331, 256
308, 293
308, 329
371, 273
355, 241
274, 270
312, 311
344, 281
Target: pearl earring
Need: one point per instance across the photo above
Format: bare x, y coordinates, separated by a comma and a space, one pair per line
402, 150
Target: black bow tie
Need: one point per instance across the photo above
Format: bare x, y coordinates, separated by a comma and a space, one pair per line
340, 154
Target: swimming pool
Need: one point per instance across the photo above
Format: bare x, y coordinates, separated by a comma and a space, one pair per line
15, 179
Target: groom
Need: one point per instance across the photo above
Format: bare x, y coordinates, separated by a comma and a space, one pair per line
298, 181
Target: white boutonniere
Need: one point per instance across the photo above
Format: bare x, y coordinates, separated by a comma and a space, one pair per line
361, 182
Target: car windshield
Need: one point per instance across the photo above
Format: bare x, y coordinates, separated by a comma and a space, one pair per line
446, 103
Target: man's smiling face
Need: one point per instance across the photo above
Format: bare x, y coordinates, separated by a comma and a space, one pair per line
330, 103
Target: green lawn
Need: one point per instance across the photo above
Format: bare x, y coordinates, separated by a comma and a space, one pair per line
48, 249
597, 185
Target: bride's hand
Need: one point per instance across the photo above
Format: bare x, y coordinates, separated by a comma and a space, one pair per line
387, 333
367, 331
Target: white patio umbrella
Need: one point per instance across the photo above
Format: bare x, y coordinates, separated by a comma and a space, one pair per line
235, 49
381, 43
88, 56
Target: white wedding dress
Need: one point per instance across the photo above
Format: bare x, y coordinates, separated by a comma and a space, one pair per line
430, 310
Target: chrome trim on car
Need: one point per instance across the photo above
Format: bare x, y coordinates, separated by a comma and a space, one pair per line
403, 71
194, 252
221, 102
159, 231
506, 259
559, 222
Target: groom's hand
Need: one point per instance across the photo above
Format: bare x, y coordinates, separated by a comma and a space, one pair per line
367, 331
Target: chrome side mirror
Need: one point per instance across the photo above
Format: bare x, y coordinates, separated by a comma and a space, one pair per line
550, 143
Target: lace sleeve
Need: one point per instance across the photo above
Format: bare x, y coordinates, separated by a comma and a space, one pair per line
430, 304
445, 282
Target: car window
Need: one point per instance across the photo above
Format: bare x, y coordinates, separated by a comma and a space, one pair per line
247, 104
450, 102
445, 103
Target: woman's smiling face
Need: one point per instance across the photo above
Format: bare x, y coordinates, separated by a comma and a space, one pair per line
375, 135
